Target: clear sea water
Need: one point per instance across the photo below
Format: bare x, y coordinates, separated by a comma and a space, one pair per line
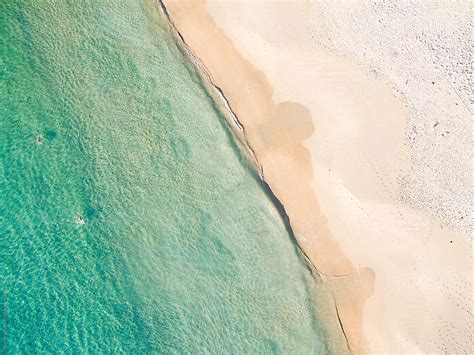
182, 250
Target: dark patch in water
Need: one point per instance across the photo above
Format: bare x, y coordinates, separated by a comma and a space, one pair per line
91, 213
180, 148
204, 220
50, 134
221, 249
165, 106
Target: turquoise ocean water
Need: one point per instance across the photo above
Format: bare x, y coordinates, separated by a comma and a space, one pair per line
182, 249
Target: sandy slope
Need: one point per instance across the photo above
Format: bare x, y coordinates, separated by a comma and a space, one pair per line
334, 139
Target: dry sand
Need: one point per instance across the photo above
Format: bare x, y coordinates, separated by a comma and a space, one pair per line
331, 139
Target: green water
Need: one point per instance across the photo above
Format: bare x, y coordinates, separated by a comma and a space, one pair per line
182, 251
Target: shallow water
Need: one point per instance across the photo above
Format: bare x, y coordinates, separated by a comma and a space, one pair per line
182, 249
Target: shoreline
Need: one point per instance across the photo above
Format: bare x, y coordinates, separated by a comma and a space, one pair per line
339, 283
369, 258
334, 342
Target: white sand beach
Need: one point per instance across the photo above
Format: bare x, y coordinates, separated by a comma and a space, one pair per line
360, 116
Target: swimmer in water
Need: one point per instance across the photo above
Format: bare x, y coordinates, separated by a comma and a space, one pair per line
78, 219
39, 140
